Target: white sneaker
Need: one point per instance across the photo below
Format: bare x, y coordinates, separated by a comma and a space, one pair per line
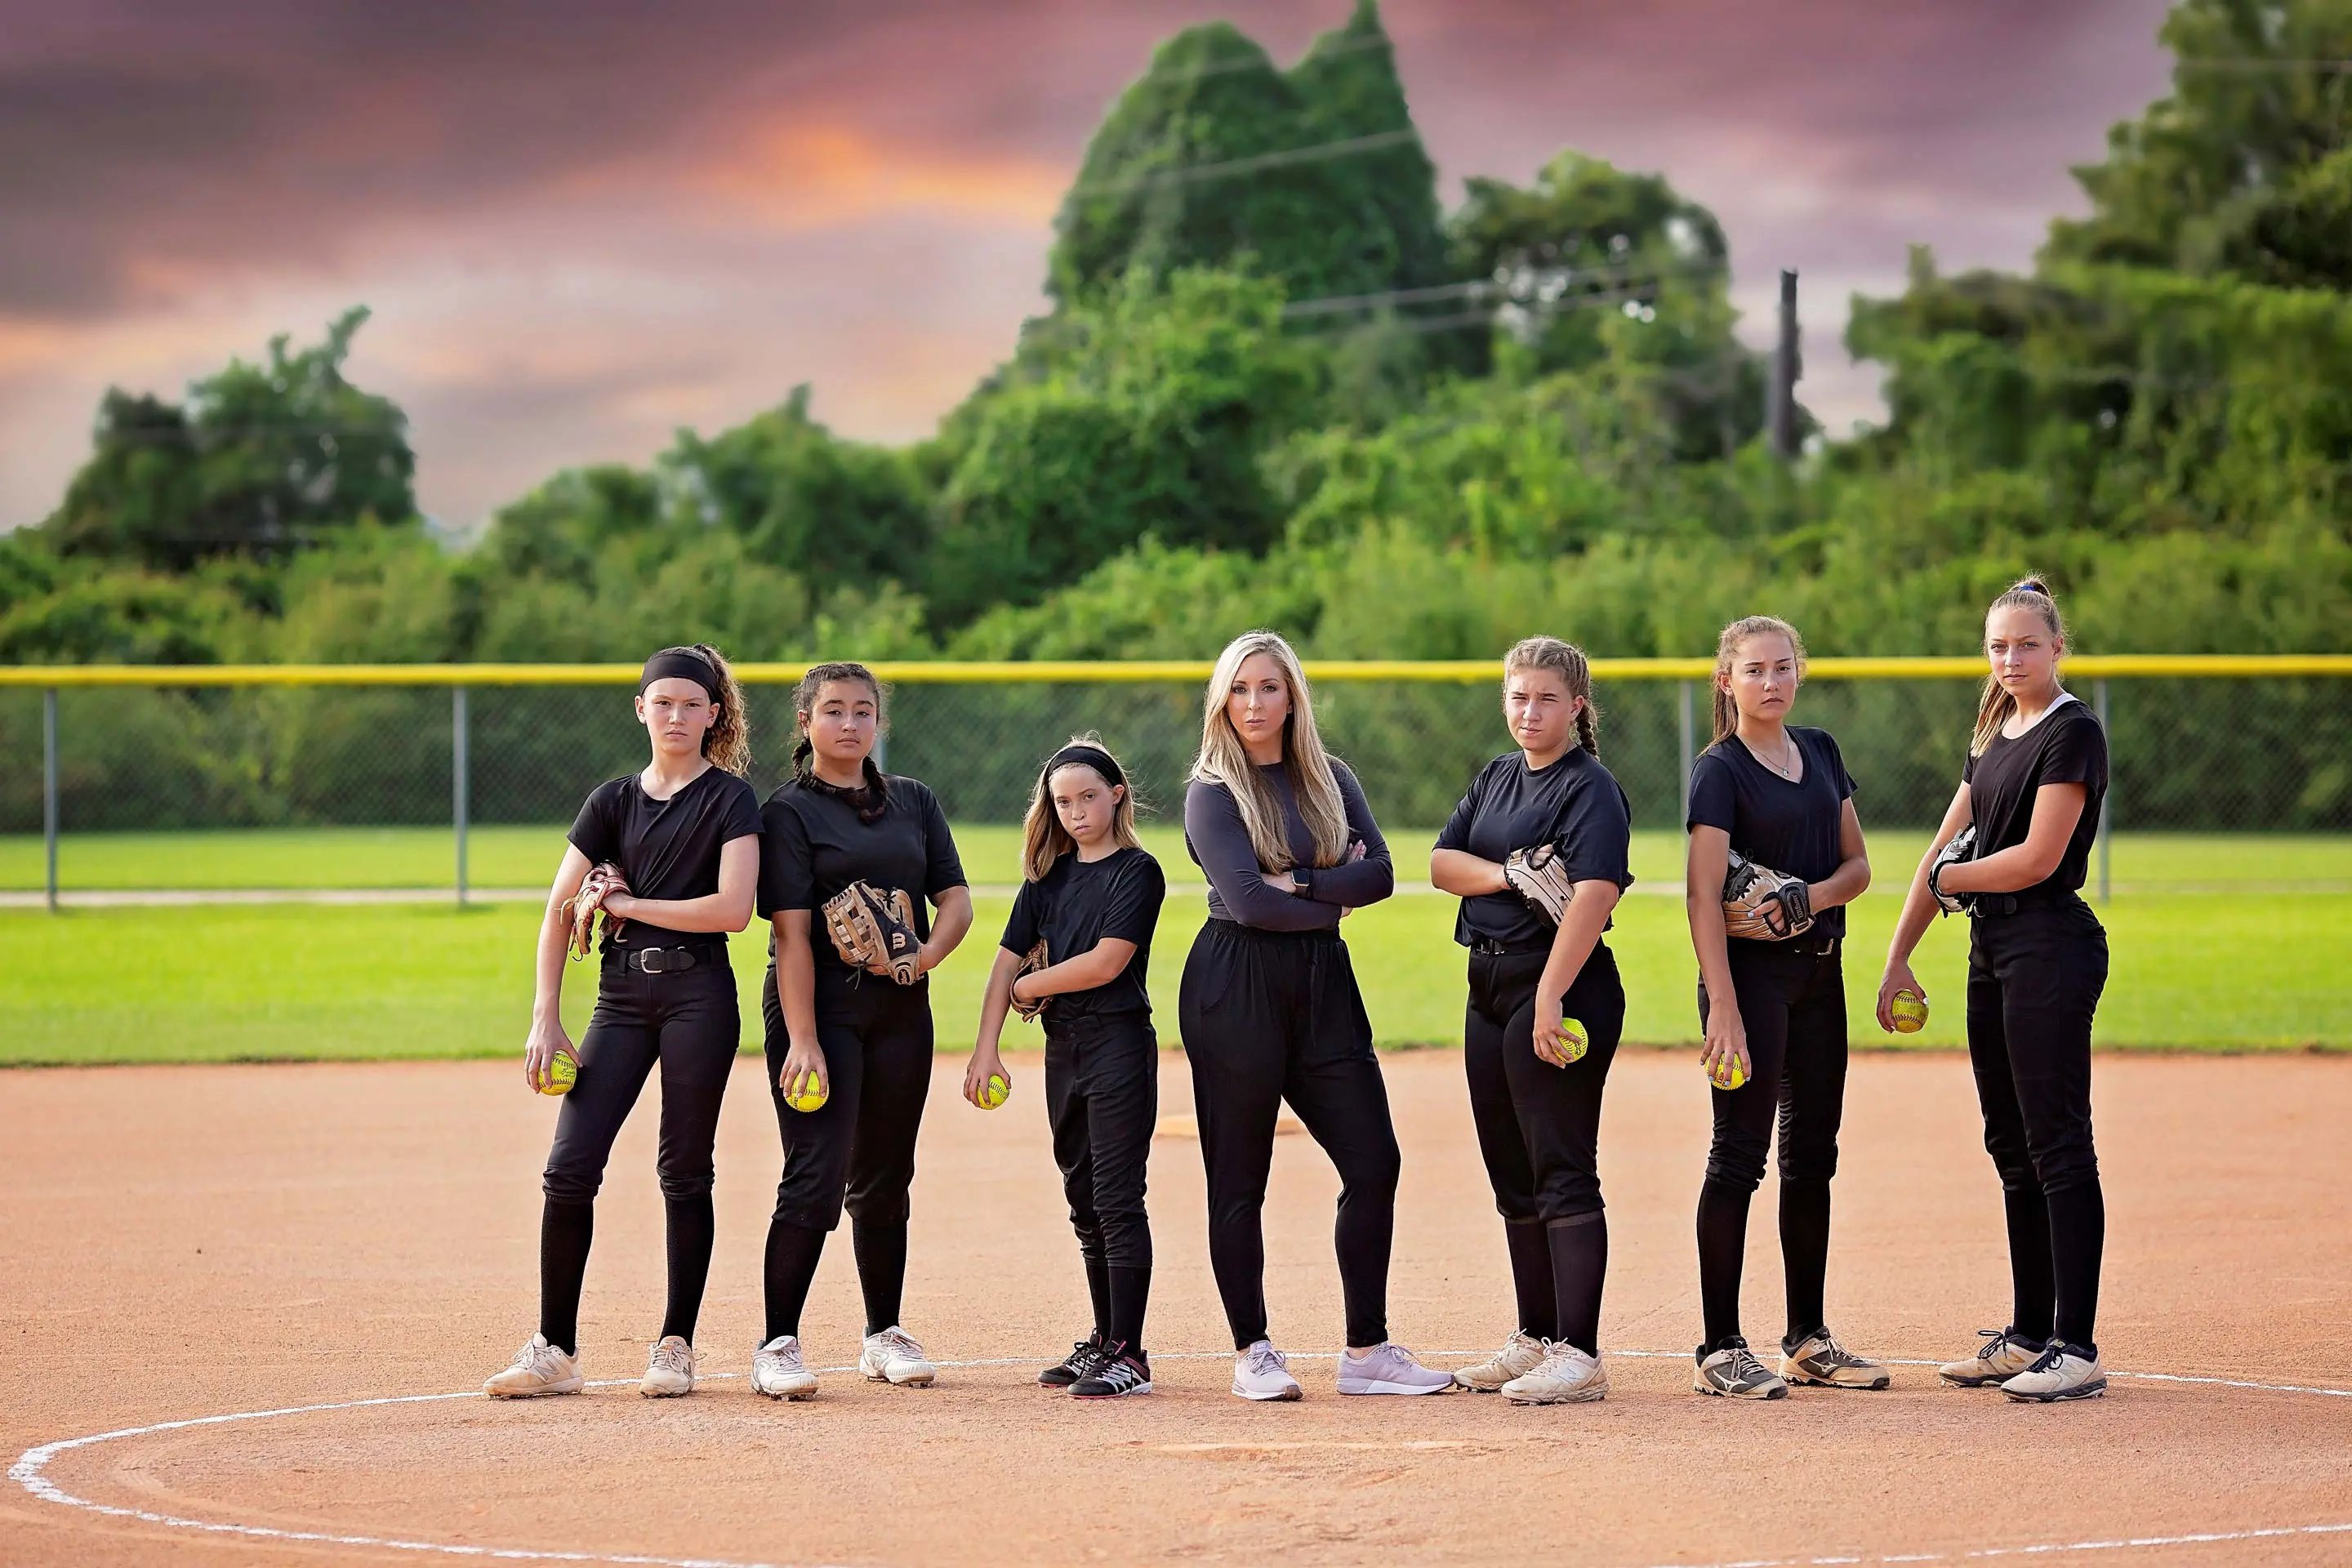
893, 1356
1517, 1358
539, 1368
2002, 1357
1389, 1368
1261, 1372
670, 1371
777, 1372
2062, 1372
1566, 1375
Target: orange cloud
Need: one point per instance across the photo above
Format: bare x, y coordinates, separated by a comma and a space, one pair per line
803, 176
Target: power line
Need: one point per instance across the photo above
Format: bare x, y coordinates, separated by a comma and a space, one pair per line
1224, 168
2257, 63
1619, 273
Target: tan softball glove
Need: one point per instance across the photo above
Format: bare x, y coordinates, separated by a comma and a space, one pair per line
1762, 904
875, 930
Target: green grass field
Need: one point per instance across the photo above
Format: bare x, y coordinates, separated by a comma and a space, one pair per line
2211, 971
511, 856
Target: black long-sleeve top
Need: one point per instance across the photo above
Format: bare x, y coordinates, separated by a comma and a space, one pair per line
1220, 845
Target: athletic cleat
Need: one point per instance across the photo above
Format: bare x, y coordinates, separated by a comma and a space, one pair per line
2002, 1357
670, 1371
1389, 1368
1261, 1373
1084, 1358
1820, 1361
893, 1356
778, 1372
539, 1368
1734, 1373
2062, 1372
1517, 1358
1118, 1373
1566, 1375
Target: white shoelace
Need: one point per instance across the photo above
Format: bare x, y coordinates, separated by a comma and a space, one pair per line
900, 1343
543, 1361
1264, 1359
667, 1357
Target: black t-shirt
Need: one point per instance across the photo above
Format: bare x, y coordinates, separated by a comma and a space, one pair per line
2067, 746
1077, 905
815, 847
1575, 802
1791, 827
665, 849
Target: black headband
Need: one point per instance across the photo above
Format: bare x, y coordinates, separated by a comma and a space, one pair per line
1094, 757
681, 664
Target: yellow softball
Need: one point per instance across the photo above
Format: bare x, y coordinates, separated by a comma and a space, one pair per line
1572, 1041
1734, 1074
994, 1092
805, 1092
562, 1072
1909, 1011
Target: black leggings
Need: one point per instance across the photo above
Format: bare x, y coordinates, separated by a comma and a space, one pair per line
2034, 979
1271, 1016
1793, 1005
1539, 1132
1102, 1097
689, 1022
856, 1149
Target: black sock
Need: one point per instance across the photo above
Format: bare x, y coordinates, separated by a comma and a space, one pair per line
1130, 1292
1804, 1256
1580, 1264
691, 1228
1722, 1255
2033, 1293
2078, 1235
881, 1246
1098, 1292
793, 1254
1531, 1277
565, 1229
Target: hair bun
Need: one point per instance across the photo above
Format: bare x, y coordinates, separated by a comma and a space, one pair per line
2030, 585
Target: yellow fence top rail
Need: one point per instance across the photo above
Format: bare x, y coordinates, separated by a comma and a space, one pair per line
945, 672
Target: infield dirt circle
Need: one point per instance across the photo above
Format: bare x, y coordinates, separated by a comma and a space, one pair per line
210, 1241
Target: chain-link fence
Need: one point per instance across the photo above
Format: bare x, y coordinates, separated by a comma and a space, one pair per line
138, 783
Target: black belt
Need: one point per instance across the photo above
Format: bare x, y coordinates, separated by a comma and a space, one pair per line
1992, 906
666, 960
1487, 947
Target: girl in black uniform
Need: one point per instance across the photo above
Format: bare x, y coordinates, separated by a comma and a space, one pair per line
685, 837
2030, 791
865, 1041
1092, 895
1773, 1011
1536, 1102
1270, 1011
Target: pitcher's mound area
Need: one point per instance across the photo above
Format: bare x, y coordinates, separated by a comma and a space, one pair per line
260, 1242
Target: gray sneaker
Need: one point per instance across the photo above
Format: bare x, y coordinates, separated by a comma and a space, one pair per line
2002, 1357
1820, 1360
1734, 1373
1389, 1369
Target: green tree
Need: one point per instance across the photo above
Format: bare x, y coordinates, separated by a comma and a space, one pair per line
262, 461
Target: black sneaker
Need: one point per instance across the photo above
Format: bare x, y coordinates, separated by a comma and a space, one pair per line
1084, 1357
1118, 1373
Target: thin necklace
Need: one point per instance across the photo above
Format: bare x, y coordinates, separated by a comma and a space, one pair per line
1781, 769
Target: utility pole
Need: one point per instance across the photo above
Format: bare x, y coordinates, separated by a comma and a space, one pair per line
1788, 368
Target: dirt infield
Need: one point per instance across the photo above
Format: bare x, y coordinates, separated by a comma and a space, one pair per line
194, 1242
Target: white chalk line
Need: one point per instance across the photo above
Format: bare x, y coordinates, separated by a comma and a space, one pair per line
28, 1472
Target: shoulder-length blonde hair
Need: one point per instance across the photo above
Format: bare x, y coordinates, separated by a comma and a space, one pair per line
1044, 840
1224, 760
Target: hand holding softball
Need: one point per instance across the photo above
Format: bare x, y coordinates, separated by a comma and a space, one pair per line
1550, 1048
986, 1084
1898, 978
1725, 1053
802, 1077
538, 1053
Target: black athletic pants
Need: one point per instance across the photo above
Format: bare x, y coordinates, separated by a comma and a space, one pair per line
1270, 1016
1793, 1005
856, 1149
1102, 1097
2034, 979
688, 1021
1539, 1132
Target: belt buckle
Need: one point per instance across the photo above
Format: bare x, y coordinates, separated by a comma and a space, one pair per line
651, 962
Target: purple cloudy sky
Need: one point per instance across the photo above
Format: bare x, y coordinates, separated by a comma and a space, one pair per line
583, 226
